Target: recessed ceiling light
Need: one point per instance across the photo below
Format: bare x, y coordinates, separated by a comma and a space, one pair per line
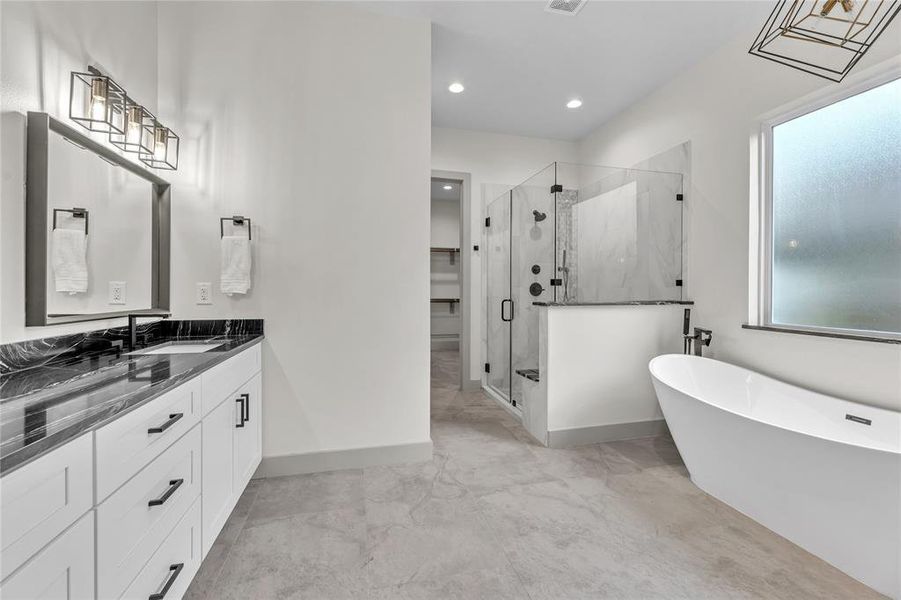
456, 87
574, 103
448, 187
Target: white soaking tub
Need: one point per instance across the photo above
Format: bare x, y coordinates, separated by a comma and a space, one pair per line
823, 472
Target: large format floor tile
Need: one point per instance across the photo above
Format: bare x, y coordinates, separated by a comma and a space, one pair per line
496, 516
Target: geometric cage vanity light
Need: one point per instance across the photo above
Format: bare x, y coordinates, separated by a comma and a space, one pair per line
98, 103
165, 149
138, 136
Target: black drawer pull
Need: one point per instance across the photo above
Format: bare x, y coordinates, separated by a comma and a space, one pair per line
175, 570
246, 406
173, 418
174, 484
240, 401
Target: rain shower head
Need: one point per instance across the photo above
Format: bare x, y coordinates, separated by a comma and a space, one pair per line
539, 216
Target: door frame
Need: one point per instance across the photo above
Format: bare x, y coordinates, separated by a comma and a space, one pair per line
466, 254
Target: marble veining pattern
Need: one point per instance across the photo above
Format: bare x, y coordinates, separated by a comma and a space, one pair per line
72, 384
493, 516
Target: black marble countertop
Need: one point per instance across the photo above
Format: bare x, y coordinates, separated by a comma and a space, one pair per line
70, 385
621, 303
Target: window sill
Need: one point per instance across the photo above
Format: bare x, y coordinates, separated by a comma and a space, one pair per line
828, 334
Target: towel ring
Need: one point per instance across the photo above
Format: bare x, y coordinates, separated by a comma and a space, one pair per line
77, 213
237, 221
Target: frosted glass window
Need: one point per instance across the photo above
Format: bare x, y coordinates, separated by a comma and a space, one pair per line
836, 215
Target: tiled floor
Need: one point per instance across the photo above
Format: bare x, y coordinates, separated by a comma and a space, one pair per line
496, 516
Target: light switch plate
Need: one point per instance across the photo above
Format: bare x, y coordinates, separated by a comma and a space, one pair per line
204, 293
117, 292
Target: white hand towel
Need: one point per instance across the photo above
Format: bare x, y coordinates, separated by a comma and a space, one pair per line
235, 275
69, 260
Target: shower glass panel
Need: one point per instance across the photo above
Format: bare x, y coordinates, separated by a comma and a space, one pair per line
621, 233
575, 234
499, 309
532, 254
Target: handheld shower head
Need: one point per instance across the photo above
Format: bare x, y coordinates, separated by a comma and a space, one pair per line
539, 216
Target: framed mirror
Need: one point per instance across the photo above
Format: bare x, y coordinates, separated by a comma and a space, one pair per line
97, 229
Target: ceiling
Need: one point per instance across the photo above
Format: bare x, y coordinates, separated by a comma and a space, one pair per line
520, 64
439, 193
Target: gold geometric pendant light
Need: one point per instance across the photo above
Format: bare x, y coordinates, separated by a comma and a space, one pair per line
823, 37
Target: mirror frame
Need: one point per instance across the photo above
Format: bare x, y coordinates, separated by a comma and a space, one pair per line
39, 127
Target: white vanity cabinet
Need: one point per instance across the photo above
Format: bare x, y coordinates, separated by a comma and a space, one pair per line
62, 570
131, 509
232, 442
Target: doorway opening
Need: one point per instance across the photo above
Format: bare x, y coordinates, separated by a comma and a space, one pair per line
449, 261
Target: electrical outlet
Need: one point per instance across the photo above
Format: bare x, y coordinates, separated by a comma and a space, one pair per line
204, 293
117, 292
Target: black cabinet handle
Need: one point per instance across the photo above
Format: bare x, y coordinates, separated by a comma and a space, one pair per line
246, 405
240, 400
175, 571
174, 484
172, 420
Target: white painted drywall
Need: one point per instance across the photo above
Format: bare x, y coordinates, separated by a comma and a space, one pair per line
597, 362
312, 119
715, 105
40, 44
495, 162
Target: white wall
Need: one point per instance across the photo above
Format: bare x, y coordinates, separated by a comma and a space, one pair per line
312, 119
494, 161
42, 42
597, 363
714, 105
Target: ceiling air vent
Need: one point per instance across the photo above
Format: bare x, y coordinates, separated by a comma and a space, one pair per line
565, 7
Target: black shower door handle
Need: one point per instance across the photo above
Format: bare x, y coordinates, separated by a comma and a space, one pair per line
505, 300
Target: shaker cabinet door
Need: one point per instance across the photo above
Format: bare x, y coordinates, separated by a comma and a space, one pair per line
217, 474
248, 438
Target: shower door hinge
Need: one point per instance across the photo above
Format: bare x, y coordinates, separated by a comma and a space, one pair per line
487, 221
678, 283
679, 197
487, 367
556, 282
557, 187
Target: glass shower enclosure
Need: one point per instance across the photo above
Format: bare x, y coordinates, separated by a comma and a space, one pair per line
574, 235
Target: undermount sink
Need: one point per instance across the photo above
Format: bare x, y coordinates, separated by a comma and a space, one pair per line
183, 348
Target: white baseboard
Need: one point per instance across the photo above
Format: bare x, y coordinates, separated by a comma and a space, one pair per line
334, 460
581, 436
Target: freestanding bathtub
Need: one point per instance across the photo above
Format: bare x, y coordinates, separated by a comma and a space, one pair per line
822, 472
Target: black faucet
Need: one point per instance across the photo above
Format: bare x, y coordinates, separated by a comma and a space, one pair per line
133, 327
701, 338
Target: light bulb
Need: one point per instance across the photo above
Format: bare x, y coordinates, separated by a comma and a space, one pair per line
133, 129
574, 103
160, 139
448, 187
98, 99
456, 87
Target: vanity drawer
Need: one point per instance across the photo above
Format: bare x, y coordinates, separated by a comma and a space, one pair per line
222, 380
64, 570
133, 522
134, 439
40, 499
174, 564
